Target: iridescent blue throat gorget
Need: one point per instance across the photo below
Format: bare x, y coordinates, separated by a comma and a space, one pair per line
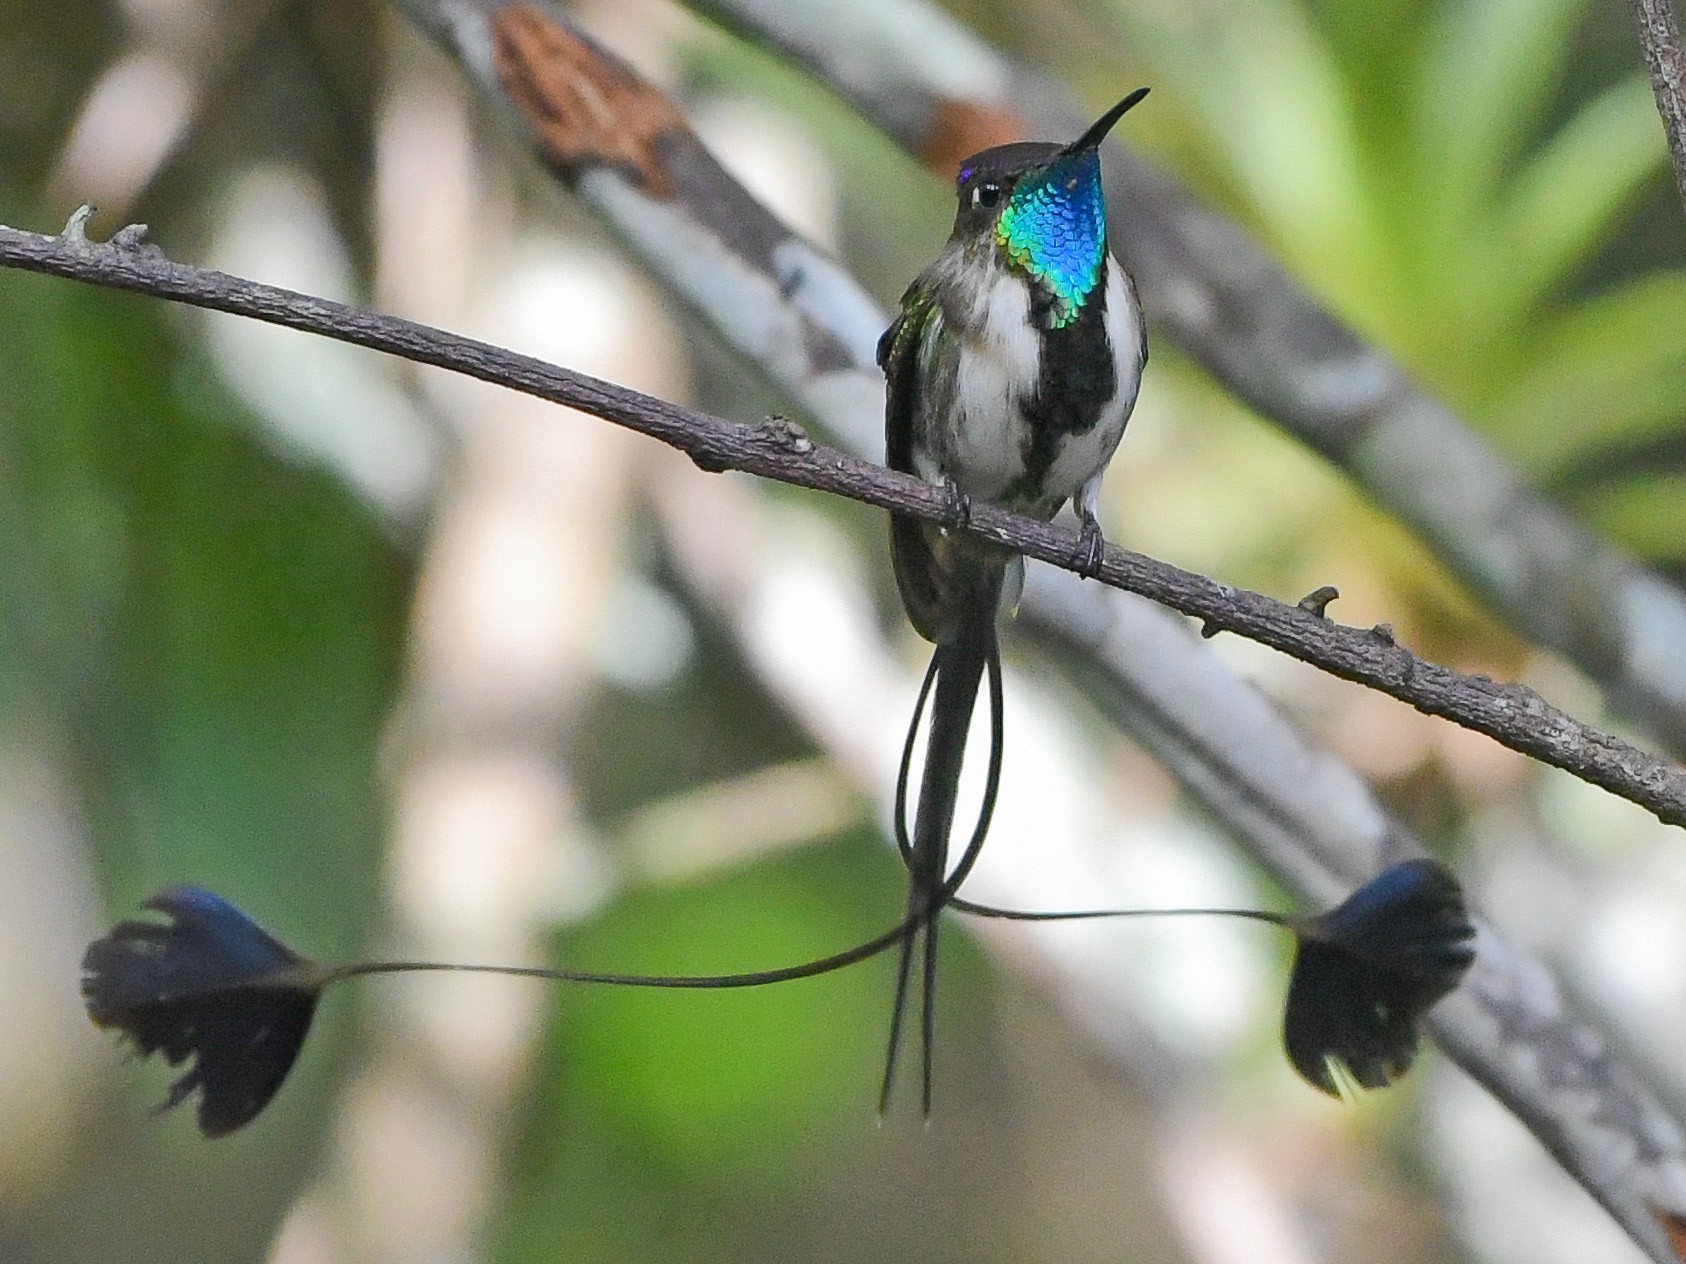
1054, 228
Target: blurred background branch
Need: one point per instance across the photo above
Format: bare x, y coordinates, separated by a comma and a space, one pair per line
1659, 36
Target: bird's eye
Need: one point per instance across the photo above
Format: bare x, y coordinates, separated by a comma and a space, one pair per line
986, 195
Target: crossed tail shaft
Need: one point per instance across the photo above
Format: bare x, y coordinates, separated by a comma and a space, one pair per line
958, 668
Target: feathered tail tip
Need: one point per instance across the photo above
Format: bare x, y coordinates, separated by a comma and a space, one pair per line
1366, 971
207, 984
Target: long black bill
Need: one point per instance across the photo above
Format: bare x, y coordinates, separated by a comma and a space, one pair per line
1097, 130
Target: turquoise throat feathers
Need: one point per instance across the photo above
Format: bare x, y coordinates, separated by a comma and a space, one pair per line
1054, 229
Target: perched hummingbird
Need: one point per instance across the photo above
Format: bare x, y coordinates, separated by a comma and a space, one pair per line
1011, 371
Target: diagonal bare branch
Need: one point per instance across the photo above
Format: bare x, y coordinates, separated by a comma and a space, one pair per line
1312, 821
1659, 35
779, 449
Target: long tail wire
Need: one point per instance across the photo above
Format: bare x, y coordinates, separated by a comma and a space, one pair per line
968, 859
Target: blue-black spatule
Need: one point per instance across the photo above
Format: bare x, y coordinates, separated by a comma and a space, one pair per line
1364, 973
1367, 970
211, 987
205, 985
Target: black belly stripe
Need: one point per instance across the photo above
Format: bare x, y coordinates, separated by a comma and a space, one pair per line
1078, 379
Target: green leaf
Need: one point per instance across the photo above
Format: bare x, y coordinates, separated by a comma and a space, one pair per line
738, 1083
1487, 74
1611, 370
1271, 98
1567, 197
1643, 515
1371, 39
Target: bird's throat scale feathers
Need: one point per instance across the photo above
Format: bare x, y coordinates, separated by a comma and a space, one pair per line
1053, 228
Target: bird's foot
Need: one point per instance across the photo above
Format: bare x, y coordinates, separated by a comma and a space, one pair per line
1091, 549
958, 510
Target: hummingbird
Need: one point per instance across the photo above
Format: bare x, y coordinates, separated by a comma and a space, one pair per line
1010, 373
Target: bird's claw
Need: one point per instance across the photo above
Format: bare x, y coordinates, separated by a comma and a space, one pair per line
1091, 549
958, 510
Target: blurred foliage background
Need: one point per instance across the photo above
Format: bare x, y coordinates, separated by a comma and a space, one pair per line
400, 664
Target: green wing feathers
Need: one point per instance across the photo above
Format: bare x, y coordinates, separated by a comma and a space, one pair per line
941, 576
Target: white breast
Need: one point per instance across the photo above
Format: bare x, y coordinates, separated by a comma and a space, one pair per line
980, 443
999, 367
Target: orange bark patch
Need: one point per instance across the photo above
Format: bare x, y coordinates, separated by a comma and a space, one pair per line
960, 128
1674, 1225
583, 105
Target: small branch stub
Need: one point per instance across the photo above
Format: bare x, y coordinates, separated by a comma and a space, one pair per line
791, 436
1317, 600
76, 227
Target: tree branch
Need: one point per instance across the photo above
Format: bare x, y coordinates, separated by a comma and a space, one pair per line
1660, 36
778, 449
